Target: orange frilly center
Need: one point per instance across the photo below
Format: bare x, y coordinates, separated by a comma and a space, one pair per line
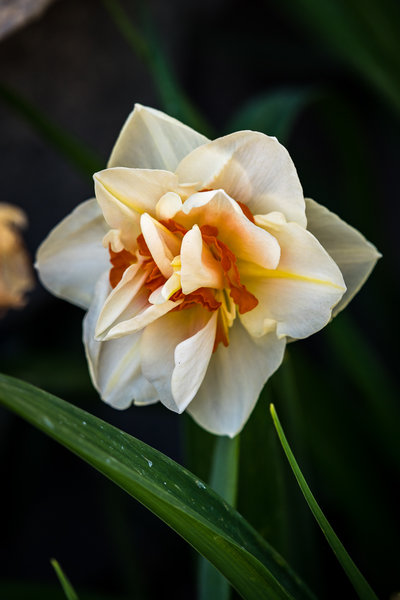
206, 297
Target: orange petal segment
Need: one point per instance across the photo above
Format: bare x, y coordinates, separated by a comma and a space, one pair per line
120, 262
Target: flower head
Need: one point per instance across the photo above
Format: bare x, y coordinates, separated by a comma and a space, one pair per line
15, 266
197, 261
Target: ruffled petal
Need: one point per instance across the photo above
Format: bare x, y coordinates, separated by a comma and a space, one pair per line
301, 293
163, 244
146, 315
124, 301
199, 267
234, 380
124, 221
115, 365
252, 168
72, 258
354, 255
151, 139
138, 189
175, 353
168, 205
246, 240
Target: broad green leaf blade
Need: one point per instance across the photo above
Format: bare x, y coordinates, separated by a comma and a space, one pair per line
360, 584
74, 150
69, 591
185, 503
274, 113
224, 481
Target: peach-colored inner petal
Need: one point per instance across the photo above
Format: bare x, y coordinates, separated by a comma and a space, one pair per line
207, 297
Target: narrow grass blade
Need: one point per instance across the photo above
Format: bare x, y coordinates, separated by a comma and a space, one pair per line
360, 584
223, 480
74, 150
184, 502
69, 591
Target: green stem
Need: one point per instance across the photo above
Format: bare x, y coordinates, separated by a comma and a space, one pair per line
224, 481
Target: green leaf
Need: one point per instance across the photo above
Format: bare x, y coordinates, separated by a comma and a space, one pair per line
74, 150
224, 481
185, 503
365, 368
365, 37
360, 584
147, 47
298, 522
274, 113
22, 590
267, 510
63, 579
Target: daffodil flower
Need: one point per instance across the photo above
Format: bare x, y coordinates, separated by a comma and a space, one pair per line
16, 277
197, 261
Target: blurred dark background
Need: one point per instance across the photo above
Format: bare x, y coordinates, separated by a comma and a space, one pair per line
325, 78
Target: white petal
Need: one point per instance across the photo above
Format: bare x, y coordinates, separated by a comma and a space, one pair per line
119, 217
301, 292
199, 267
246, 240
72, 258
175, 353
139, 189
163, 244
191, 361
252, 168
168, 206
151, 139
150, 313
172, 285
115, 365
122, 298
234, 380
113, 239
354, 255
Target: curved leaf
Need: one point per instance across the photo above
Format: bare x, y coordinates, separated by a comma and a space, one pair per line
185, 503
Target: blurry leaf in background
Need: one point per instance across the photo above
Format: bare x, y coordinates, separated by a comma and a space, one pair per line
363, 34
360, 492
146, 45
361, 586
69, 591
74, 150
31, 590
275, 112
380, 394
16, 13
185, 503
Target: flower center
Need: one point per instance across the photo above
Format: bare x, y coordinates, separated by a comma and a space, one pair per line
234, 295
